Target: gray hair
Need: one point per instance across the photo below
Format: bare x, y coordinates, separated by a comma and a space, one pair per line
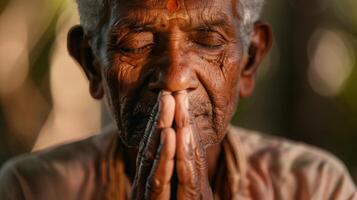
92, 12
250, 11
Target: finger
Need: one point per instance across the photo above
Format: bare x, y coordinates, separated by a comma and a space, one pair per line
192, 167
191, 162
150, 144
167, 111
182, 117
184, 156
150, 127
184, 151
138, 186
158, 184
165, 120
185, 164
201, 164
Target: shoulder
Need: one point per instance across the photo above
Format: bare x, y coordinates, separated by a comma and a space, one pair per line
283, 151
294, 164
54, 170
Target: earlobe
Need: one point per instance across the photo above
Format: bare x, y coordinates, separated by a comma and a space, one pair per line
81, 51
96, 90
260, 43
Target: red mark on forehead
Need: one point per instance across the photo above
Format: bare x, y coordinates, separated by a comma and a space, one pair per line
172, 5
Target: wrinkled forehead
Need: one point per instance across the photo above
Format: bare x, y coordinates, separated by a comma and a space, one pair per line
167, 4
190, 10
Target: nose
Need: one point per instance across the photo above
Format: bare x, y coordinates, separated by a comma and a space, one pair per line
175, 71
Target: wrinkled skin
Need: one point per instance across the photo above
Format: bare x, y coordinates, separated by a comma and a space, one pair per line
172, 74
174, 52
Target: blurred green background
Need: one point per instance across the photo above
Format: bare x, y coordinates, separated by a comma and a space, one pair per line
306, 90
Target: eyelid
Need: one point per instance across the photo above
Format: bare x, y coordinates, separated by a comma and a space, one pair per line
130, 34
120, 42
214, 30
135, 43
135, 50
211, 47
209, 40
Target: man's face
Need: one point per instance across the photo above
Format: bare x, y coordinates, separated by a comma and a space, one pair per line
191, 45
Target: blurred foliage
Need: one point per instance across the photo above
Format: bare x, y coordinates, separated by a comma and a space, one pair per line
39, 49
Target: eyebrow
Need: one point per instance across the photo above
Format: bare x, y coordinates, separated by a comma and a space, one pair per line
131, 23
220, 23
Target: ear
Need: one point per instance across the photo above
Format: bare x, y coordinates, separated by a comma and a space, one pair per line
79, 48
260, 43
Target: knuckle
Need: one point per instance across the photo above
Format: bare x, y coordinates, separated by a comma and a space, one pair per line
188, 176
161, 123
190, 192
182, 119
154, 184
167, 129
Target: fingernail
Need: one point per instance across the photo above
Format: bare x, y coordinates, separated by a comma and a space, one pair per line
164, 92
181, 92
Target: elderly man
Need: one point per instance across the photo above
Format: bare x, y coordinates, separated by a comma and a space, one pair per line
173, 72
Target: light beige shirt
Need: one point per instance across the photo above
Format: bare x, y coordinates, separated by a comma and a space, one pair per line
252, 166
266, 167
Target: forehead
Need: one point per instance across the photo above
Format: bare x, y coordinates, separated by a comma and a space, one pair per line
190, 10
183, 4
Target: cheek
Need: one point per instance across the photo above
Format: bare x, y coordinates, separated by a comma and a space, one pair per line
231, 62
227, 91
124, 77
219, 77
124, 83
121, 81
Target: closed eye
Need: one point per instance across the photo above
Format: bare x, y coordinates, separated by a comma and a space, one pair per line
136, 50
208, 39
135, 43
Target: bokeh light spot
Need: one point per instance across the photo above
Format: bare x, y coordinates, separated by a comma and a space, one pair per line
331, 62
